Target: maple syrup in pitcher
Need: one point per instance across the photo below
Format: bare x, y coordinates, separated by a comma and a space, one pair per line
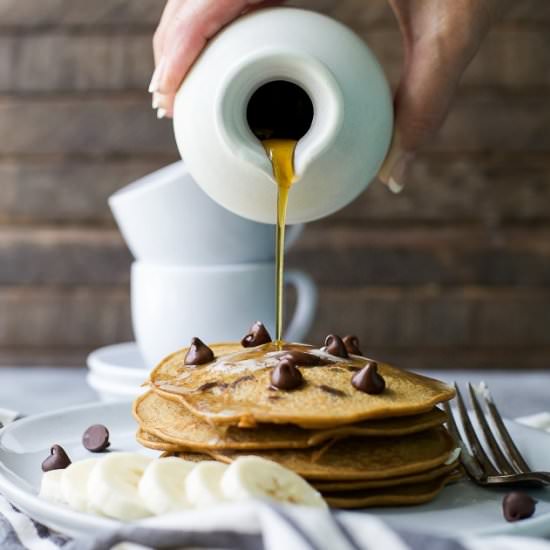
279, 114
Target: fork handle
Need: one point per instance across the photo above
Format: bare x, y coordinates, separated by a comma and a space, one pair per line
538, 477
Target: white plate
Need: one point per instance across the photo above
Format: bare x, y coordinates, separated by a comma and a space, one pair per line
108, 391
119, 363
117, 372
460, 509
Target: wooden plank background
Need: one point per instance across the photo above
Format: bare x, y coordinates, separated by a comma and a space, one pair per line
454, 272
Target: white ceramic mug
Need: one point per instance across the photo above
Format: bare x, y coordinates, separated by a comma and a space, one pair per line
165, 217
171, 304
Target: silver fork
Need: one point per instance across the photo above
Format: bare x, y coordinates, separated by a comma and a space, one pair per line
506, 466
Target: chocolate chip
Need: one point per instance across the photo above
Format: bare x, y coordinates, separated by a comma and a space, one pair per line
58, 459
285, 376
302, 358
351, 343
198, 353
257, 335
335, 346
368, 380
96, 438
518, 505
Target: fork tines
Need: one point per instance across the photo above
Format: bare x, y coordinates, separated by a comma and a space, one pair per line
505, 458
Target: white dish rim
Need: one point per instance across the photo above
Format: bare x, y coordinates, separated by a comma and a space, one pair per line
100, 385
49, 513
97, 363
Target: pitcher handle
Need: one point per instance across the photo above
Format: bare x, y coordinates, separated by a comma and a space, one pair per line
306, 305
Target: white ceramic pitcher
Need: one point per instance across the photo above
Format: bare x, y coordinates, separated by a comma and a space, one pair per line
352, 114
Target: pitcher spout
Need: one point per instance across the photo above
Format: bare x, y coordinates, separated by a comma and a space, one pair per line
279, 94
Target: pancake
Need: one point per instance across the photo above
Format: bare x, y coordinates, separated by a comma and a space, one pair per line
176, 428
190, 457
234, 389
328, 487
390, 495
153, 442
360, 458
407, 495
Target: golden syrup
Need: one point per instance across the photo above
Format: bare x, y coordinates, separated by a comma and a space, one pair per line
281, 155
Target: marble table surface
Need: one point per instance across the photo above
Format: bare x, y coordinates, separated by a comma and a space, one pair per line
31, 390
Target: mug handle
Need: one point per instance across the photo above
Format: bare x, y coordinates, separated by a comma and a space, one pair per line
306, 305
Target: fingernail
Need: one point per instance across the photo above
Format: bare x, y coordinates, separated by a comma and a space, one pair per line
392, 172
396, 180
394, 186
160, 101
155, 79
161, 113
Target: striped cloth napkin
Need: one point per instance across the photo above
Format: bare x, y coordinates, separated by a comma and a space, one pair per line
251, 526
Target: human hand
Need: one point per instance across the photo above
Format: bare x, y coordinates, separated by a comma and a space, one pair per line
183, 31
440, 38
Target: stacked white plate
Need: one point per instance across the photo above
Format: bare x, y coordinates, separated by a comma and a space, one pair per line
117, 372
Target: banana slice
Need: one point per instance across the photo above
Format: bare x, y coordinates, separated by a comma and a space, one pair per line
254, 477
113, 486
74, 484
162, 487
203, 483
50, 486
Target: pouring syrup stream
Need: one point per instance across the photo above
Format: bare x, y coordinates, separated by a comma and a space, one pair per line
281, 155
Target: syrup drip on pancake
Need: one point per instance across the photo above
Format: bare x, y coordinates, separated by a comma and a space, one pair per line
267, 356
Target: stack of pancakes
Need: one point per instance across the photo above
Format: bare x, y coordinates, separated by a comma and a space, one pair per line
358, 449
